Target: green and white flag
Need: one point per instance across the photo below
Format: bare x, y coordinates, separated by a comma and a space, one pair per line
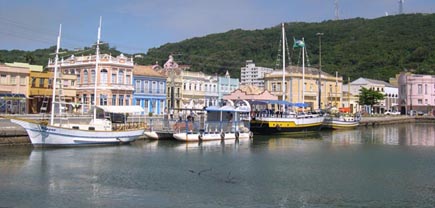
298, 43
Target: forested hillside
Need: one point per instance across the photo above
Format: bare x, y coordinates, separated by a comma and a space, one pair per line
372, 48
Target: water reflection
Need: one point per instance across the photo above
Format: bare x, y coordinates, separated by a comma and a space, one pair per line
419, 134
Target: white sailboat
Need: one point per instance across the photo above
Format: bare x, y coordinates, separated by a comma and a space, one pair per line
97, 131
282, 122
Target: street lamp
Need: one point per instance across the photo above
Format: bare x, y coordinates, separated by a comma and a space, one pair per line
320, 69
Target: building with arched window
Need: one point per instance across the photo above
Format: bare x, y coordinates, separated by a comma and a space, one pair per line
113, 79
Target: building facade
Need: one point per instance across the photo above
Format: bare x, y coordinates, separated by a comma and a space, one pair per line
416, 93
113, 79
14, 87
41, 91
149, 89
253, 75
390, 93
308, 92
227, 85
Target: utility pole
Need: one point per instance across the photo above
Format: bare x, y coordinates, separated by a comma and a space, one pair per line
320, 70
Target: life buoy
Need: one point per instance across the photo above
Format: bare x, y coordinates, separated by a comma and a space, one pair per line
222, 135
237, 135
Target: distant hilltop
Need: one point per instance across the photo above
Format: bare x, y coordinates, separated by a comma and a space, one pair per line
373, 48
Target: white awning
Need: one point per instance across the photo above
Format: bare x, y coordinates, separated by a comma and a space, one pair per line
121, 109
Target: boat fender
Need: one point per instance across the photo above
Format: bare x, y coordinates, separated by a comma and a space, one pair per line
278, 127
200, 137
237, 135
222, 135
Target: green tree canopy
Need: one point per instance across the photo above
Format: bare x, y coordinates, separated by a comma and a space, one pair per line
369, 97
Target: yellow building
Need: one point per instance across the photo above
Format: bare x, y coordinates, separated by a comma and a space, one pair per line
298, 91
41, 90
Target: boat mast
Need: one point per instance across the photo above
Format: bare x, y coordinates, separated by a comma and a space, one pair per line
283, 61
55, 76
303, 73
97, 59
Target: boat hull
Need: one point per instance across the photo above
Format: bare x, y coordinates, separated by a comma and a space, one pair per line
337, 125
196, 137
285, 125
158, 135
46, 135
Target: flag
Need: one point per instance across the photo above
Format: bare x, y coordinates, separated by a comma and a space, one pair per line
298, 43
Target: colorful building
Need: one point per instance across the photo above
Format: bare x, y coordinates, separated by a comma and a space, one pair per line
149, 89
14, 87
307, 92
114, 79
416, 93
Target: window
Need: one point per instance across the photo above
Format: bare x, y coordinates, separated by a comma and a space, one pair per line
145, 86
85, 77
420, 89
137, 86
78, 78
3, 79
121, 77
41, 82
13, 79
425, 89
22, 80
121, 100
113, 78
103, 76
162, 87
128, 79
50, 83
113, 99
127, 100
137, 101
85, 99
103, 99
92, 99
420, 101
33, 82
153, 87
93, 76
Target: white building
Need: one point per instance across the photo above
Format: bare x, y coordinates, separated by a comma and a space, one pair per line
253, 75
391, 93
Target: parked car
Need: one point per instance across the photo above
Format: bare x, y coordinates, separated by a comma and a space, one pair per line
392, 113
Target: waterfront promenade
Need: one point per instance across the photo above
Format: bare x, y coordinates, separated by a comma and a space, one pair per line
12, 134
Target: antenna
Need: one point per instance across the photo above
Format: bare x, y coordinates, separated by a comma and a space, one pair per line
336, 10
401, 2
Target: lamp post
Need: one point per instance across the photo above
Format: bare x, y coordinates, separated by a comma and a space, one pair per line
320, 69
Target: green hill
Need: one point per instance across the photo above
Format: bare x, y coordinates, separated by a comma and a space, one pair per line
372, 48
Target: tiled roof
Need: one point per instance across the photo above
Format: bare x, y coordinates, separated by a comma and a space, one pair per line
140, 70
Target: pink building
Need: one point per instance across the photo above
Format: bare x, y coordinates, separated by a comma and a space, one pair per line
416, 93
114, 79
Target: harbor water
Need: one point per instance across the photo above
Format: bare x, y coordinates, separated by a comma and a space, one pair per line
382, 166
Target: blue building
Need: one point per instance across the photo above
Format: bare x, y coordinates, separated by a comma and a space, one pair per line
227, 85
149, 89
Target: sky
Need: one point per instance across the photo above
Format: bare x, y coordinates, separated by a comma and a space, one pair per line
134, 26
